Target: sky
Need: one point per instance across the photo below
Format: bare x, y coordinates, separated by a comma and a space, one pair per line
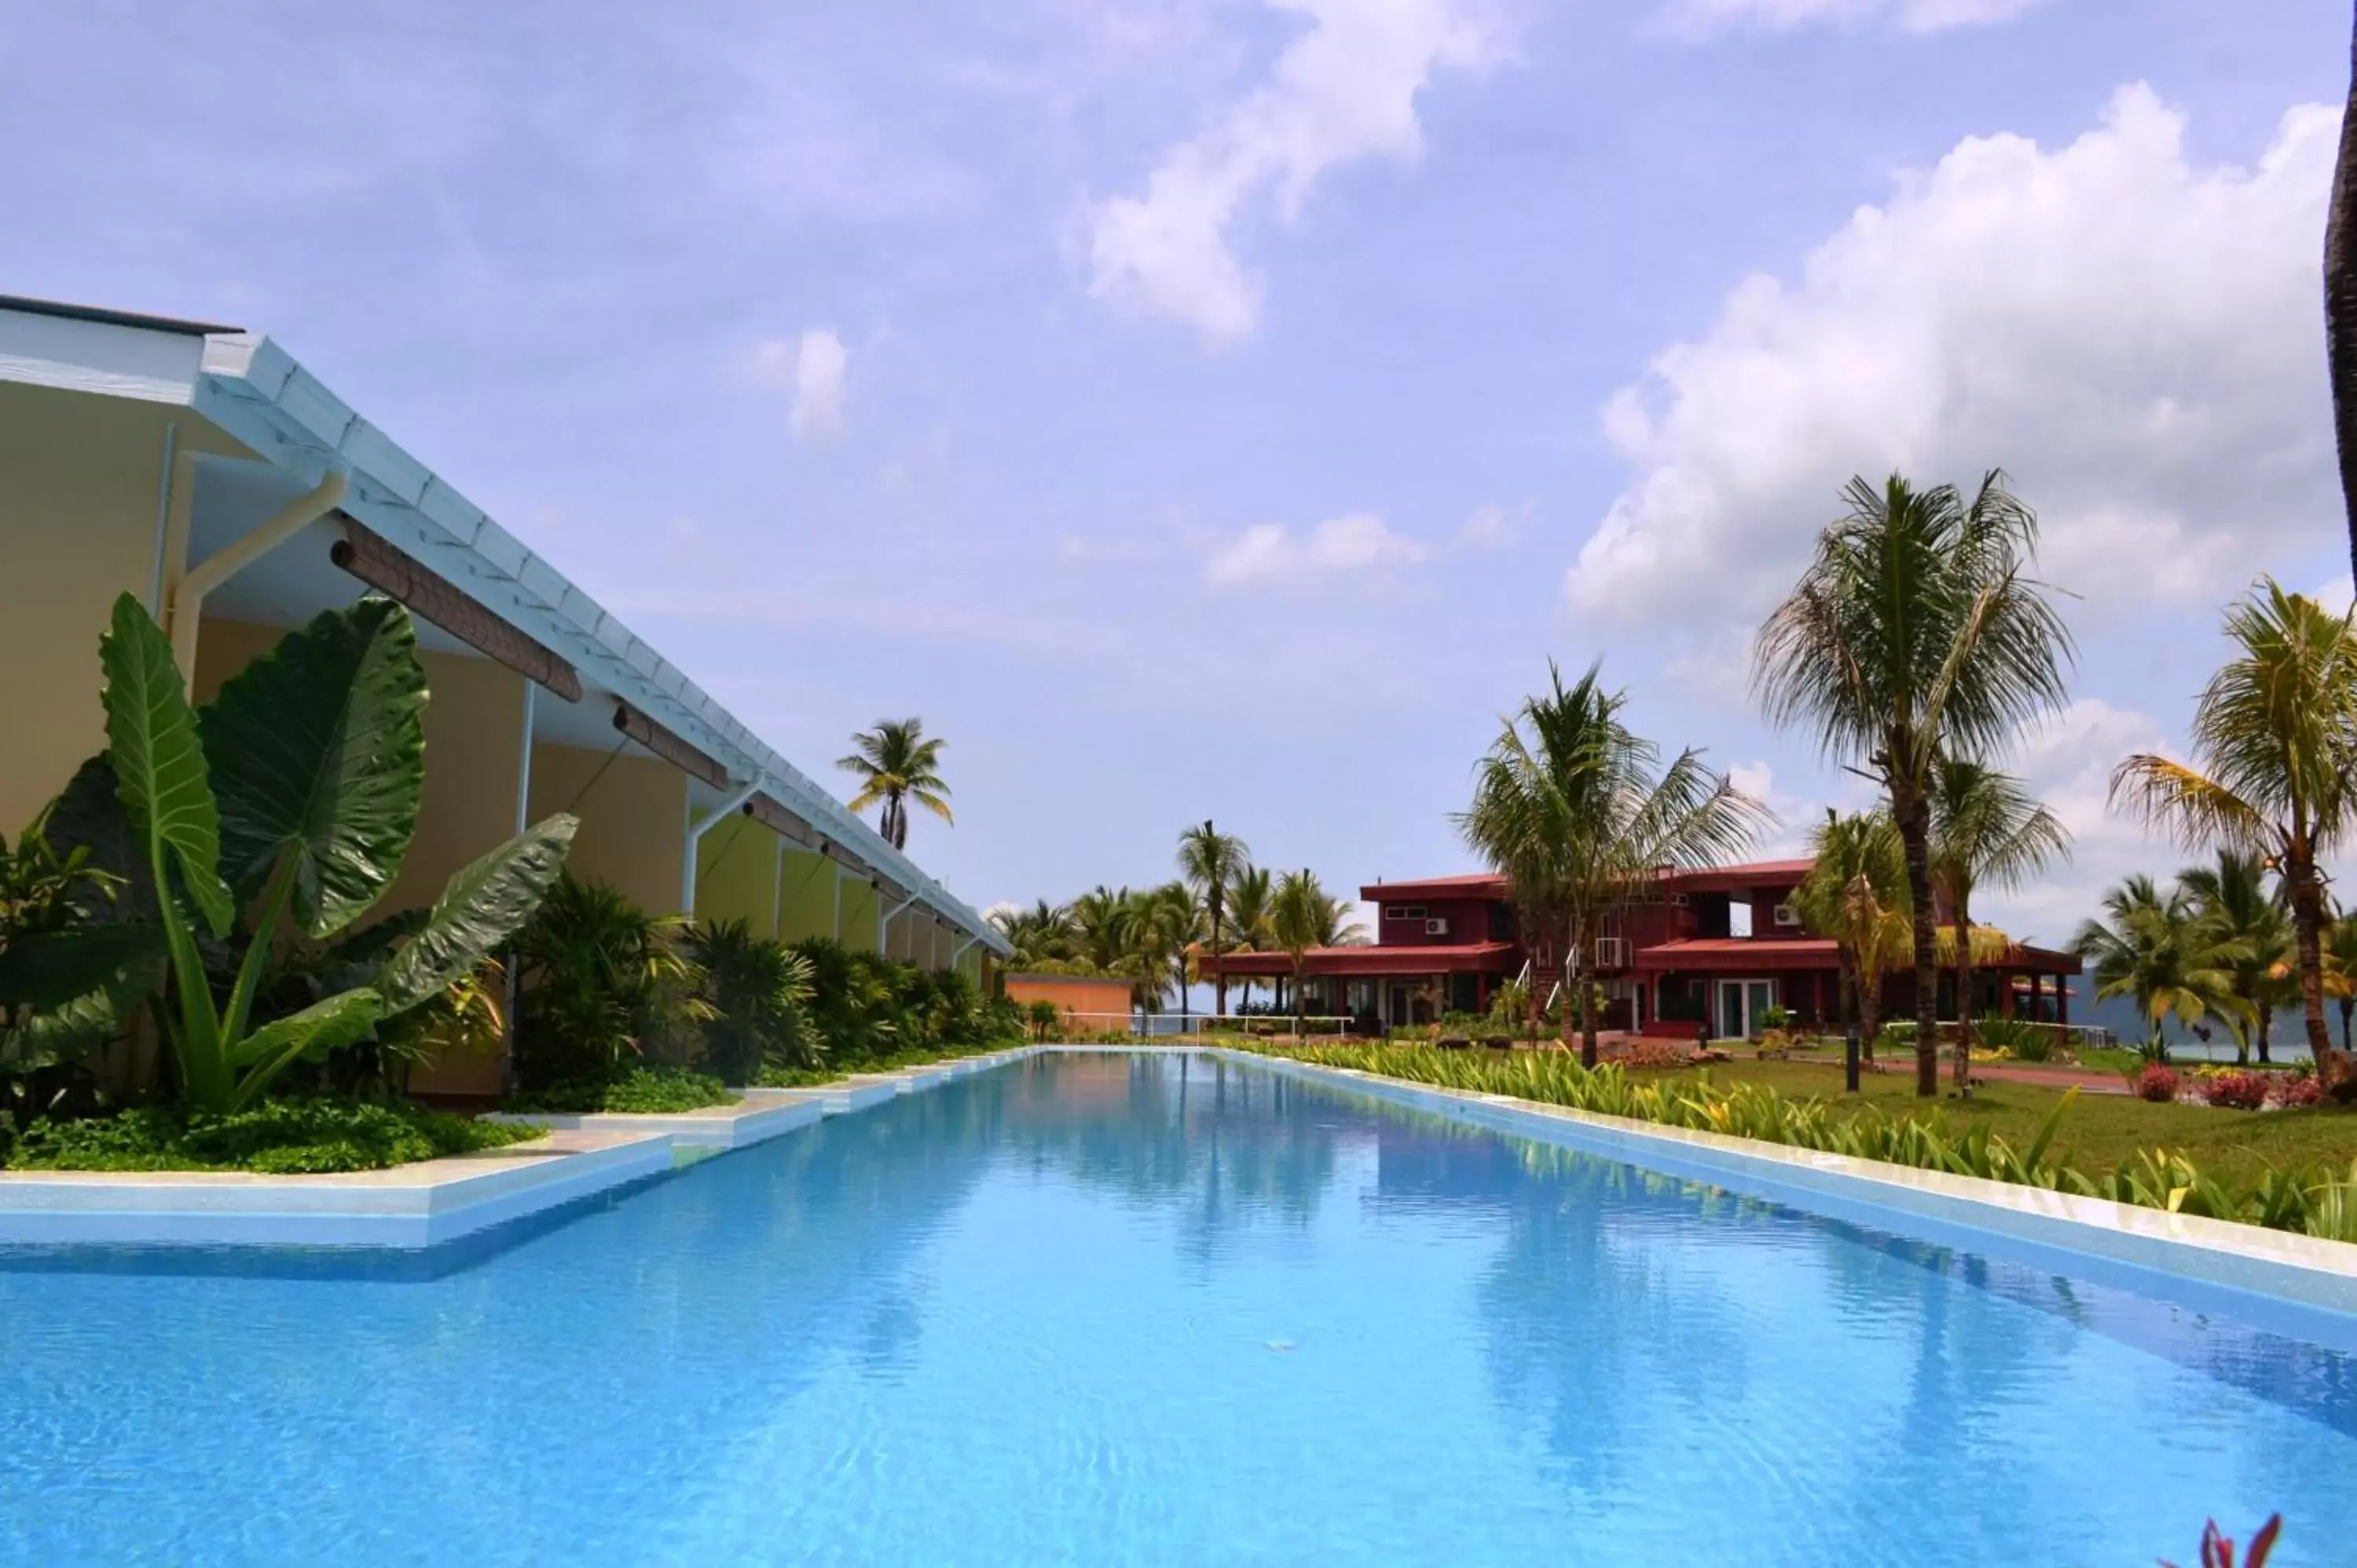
1227, 408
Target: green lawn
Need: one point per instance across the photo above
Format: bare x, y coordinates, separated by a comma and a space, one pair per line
2101, 1131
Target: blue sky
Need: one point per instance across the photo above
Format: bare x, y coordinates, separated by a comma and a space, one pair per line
1225, 408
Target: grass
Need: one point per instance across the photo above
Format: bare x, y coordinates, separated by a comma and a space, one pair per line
280, 1137
2101, 1133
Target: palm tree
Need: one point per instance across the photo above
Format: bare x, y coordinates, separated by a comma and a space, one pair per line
2340, 967
1208, 860
2341, 309
2150, 947
1165, 924
1987, 830
1916, 631
1856, 893
2233, 904
1574, 818
1251, 890
1300, 917
2275, 743
896, 765
1041, 936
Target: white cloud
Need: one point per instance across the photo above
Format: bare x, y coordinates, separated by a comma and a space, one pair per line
1707, 16
2067, 763
812, 368
1494, 527
1269, 551
1342, 91
2135, 339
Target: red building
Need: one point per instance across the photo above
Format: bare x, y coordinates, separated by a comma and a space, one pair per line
1723, 944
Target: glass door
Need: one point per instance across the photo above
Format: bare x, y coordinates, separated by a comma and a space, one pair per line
1741, 1004
1729, 1024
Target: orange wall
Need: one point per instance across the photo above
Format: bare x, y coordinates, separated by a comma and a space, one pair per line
1073, 994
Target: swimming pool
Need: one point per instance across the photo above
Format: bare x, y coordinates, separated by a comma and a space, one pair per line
1150, 1309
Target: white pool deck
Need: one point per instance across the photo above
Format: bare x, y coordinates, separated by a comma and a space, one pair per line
437, 1201
433, 1201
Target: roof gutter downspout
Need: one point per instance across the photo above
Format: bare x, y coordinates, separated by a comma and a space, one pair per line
695, 832
188, 594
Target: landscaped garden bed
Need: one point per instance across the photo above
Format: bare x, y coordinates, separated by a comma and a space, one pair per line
2292, 1169
278, 1137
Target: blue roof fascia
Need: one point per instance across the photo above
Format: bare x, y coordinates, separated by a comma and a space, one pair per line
257, 391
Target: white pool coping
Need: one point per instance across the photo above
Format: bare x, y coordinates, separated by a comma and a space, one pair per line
432, 1201
2307, 1271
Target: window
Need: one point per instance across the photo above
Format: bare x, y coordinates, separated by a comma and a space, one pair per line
1405, 912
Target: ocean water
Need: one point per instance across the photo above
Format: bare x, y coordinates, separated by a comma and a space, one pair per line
1133, 1309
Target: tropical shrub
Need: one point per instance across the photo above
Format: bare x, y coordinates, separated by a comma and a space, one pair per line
758, 994
2295, 1090
2234, 1091
658, 1088
604, 986
2157, 1083
2023, 1039
1042, 1017
64, 990
281, 1136
278, 813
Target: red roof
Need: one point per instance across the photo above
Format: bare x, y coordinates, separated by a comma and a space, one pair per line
1404, 958
1472, 885
1489, 884
1727, 955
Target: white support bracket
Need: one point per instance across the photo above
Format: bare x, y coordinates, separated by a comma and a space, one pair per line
187, 607
695, 832
884, 925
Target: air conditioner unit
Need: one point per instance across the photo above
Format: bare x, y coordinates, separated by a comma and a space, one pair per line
1787, 916
1438, 926
1611, 953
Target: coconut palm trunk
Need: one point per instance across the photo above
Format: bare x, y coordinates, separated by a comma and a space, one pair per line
2308, 918
1963, 1074
1913, 814
2341, 302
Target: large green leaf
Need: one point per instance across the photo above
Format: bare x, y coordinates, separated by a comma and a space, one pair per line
318, 749
325, 1026
51, 968
159, 763
89, 816
79, 1026
482, 906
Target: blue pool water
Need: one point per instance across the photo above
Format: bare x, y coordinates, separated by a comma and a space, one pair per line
1151, 1309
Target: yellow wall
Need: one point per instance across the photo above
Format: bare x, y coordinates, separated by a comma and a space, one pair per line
634, 831
737, 873
80, 478
805, 895
859, 910
474, 748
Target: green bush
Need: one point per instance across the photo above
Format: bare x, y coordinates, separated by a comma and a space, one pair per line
285, 1136
2024, 1040
758, 994
643, 1091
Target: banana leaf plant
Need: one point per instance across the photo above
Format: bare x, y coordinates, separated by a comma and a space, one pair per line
68, 982
291, 798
